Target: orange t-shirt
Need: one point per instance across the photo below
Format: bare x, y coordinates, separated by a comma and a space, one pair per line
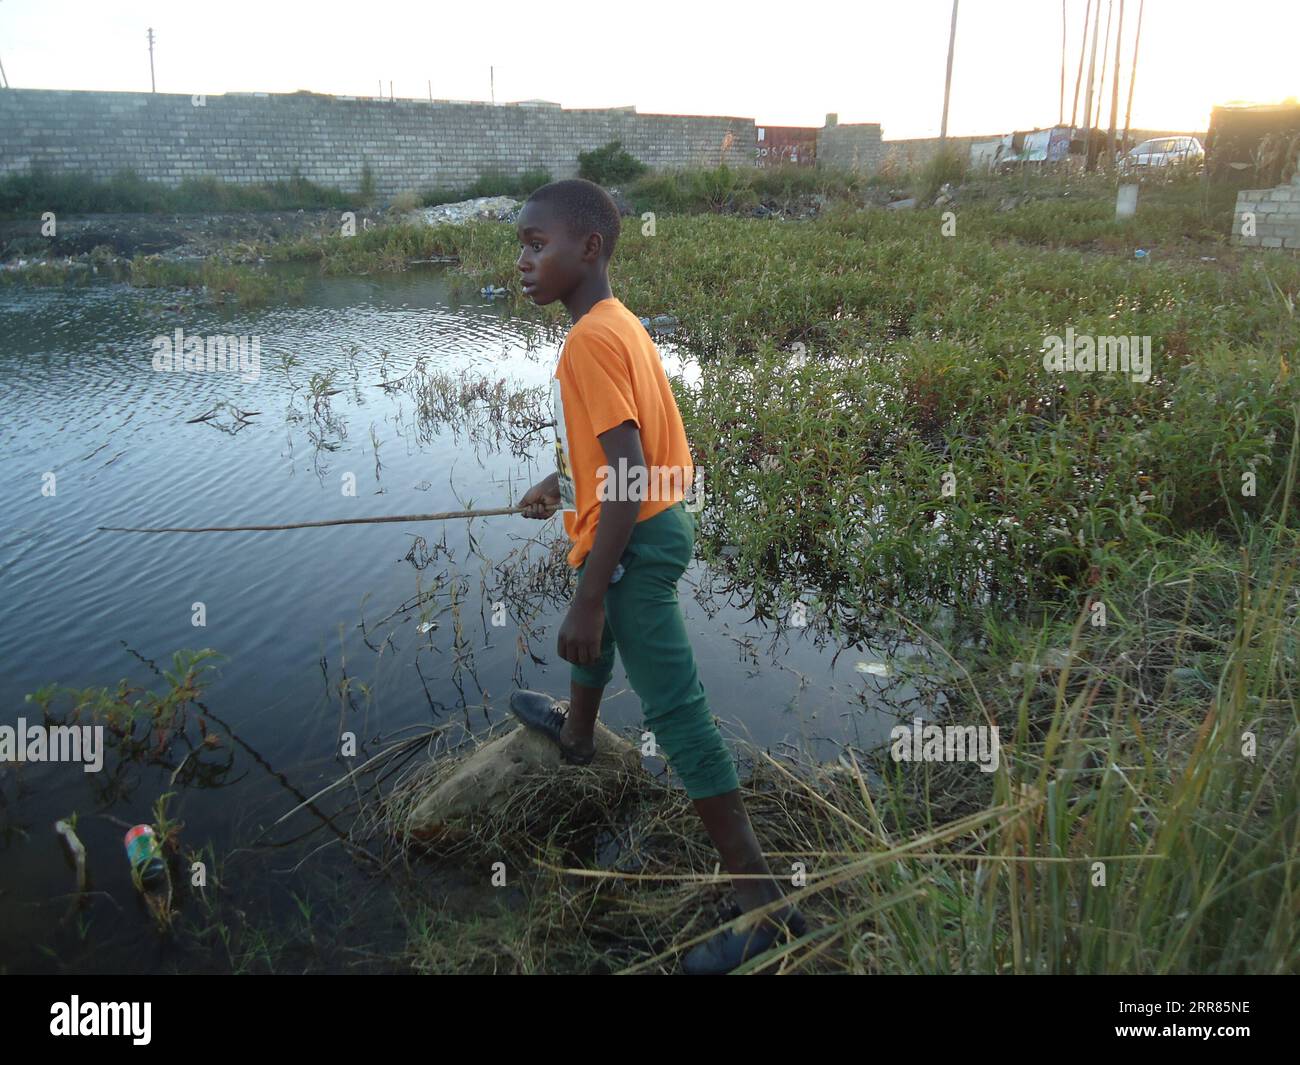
610, 371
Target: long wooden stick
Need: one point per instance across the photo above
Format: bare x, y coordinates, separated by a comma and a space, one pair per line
337, 521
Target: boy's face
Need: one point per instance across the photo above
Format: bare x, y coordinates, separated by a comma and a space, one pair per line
551, 262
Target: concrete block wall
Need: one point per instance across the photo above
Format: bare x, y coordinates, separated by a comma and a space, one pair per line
1276, 214
852, 146
913, 153
408, 144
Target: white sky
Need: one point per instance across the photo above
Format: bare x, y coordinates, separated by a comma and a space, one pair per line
786, 64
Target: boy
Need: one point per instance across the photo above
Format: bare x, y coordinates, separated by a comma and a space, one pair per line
632, 540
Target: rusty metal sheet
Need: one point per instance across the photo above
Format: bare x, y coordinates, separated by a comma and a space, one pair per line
785, 145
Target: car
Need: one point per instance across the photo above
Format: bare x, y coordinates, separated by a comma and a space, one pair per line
1163, 151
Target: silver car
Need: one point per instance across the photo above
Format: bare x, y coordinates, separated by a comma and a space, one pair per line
1163, 151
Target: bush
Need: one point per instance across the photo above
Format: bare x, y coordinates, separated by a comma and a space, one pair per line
610, 165
532, 180
491, 183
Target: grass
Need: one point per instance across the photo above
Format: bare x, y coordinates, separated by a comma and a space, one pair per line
38, 191
223, 282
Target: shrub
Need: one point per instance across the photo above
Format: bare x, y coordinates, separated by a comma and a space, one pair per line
610, 165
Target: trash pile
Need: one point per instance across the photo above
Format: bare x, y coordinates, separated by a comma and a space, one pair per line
494, 208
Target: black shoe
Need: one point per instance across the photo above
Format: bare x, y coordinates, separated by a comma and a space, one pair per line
538, 712
728, 949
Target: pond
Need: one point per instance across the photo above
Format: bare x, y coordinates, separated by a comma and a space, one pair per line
371, 397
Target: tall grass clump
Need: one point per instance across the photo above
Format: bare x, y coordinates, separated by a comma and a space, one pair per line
946, 166
127, 192
1145, 817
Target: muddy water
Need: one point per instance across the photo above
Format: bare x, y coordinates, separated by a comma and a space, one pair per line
362, 629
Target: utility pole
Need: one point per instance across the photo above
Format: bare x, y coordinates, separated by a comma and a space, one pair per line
153, 85
492, 78
1087, 100
1078, 78
1128, 114
1105, 55
1114, 84
1060, 114
947, 83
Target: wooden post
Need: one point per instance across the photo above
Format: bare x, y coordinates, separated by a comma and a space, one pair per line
1128, 114
1078, 78
1114, 86
1087, 102
1105, 55
1060, 111
947, 83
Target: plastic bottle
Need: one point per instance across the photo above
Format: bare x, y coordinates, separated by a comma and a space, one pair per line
142, 853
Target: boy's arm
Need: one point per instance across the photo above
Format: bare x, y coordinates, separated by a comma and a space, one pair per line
617, 517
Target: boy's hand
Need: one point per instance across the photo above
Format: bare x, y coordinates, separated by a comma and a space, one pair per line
580, 635
542, 500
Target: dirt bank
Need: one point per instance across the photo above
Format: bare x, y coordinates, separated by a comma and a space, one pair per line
173, 236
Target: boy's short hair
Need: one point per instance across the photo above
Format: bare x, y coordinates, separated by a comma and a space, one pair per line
584, 207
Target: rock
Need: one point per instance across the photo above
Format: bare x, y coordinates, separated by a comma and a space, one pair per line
500, 208
901, 205
491, 771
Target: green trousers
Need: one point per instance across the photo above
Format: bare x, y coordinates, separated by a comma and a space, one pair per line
643, 620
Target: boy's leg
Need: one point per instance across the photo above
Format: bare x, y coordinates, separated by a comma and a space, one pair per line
645, 614
586, 686
579, 729
728, 826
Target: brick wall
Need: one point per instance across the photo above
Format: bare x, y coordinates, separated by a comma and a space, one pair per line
1276, 214
408, 144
